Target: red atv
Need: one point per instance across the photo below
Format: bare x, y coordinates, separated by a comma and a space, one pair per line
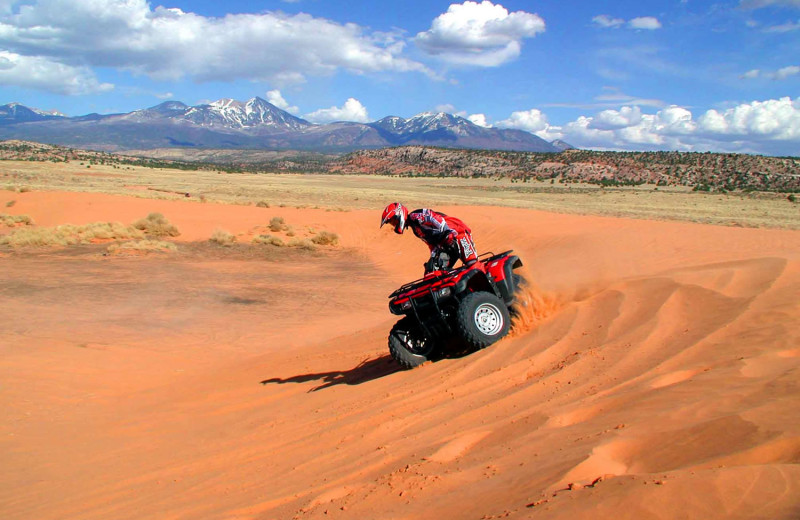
471, 305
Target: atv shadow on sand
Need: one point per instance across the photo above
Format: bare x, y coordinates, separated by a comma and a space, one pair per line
367, 370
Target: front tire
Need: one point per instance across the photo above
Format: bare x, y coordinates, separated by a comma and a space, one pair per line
482, 319
408, 344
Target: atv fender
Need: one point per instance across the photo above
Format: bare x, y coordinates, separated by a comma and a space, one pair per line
507, 286
477, 281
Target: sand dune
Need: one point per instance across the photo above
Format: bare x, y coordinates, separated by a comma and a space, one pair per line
655, 374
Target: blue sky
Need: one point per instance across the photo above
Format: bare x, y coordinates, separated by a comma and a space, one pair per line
644, 75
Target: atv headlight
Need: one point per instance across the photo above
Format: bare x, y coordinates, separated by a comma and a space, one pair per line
405, 305
444, 293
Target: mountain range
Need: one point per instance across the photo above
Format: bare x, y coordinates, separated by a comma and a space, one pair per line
254, 124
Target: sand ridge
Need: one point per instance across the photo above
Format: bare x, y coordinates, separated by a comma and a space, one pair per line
656, 375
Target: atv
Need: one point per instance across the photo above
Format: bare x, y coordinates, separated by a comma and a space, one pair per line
469, 306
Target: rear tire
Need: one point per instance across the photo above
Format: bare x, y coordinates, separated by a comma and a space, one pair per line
482, 319
408, 344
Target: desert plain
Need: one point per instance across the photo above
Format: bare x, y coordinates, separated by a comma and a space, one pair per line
654, 372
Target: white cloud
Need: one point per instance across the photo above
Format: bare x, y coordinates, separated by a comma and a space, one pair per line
479, 119
785, 72
645, 22
603, 20
780, 74
786, 27
480, 34
533, 121
170, 43
43, 74
773, 119
352, 110
275, 97
771, 126
641, 22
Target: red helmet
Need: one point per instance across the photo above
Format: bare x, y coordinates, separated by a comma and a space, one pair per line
396, 215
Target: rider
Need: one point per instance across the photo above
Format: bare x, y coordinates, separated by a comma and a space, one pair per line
448, 238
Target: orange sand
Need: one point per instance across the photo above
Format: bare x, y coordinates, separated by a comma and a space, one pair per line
657, 375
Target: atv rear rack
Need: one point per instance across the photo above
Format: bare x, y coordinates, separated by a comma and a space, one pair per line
416, 284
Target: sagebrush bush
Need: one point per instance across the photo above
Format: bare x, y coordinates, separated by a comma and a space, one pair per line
277, 224
156, 225
262, 204
222, 237
268, 240
142, 246
302, 243
325, 238
15, 220
68, 234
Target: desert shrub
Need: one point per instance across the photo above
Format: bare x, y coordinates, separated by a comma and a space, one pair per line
24, 189
325, 238
262, 204
156, 225
69, 234
302, 243
15, 220
10, 203
222, 237
791, 198
268, 240
277, 224
142, 246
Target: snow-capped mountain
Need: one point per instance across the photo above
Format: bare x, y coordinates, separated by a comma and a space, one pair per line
426, 122
254, 124
17, 113
225, 114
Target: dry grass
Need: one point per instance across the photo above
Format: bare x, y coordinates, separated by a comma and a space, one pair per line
347, 192
269, 240
222, 237
15, 220
68, 234
156, 225
142, 247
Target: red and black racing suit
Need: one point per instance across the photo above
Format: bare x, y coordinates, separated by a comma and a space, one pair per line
443, 234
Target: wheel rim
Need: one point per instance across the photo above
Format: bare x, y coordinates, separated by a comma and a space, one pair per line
488, 319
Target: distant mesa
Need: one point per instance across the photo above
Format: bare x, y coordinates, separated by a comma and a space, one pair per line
255, 124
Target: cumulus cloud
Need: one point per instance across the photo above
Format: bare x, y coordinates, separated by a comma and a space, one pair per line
645, 22
480, 34
533, 121
479, 119
641, 22
43, 74
771, 126
275, 97
170, 44
352, 110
